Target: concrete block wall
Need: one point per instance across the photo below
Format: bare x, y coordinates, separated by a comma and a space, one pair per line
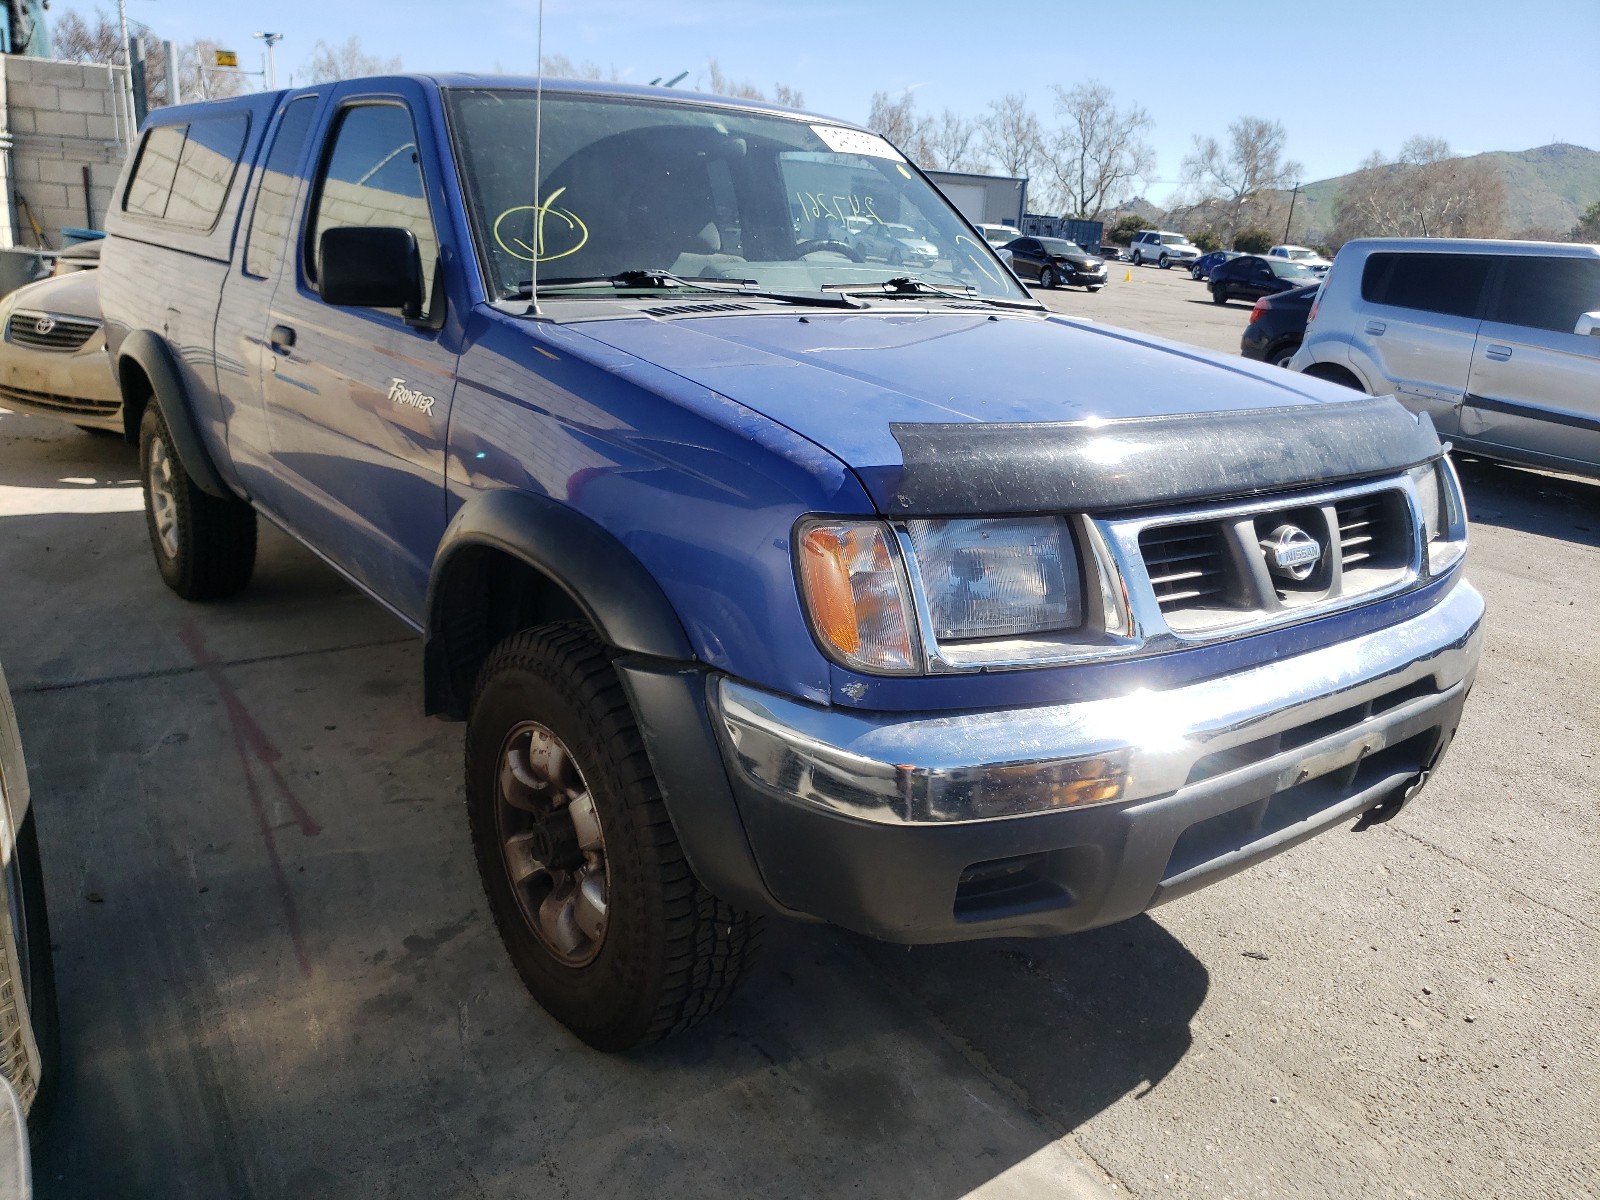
55, 119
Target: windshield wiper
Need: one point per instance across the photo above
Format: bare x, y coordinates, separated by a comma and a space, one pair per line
655, 280
903, 286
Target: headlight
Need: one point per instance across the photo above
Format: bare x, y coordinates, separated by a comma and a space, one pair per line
997, 578
1443, 513
956, 594
856, 593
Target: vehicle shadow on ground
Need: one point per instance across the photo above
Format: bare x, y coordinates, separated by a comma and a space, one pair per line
1530, 501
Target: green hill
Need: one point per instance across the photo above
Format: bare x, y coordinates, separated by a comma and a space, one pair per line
1546, 189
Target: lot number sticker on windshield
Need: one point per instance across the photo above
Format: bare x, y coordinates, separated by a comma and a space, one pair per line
854, 141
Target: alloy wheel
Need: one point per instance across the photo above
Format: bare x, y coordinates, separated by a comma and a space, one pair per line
552, 843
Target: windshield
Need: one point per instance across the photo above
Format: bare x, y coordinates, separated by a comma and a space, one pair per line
999, 237
1300, 253
1173, 239
698, 191
1291, 270
1060, 246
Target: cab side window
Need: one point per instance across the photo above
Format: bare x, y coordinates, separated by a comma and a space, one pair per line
373, 176
1547, 293
269, 224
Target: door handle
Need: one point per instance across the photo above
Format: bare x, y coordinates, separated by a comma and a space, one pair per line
1498, 353
1376, 328
282, 339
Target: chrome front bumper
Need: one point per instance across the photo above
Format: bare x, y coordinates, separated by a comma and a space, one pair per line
1217, 774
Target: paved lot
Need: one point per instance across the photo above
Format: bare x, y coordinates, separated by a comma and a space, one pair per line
278, 977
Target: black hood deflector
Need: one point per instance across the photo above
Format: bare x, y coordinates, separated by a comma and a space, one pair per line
1081, 466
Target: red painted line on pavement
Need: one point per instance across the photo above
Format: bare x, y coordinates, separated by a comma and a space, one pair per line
246, 727
250, 740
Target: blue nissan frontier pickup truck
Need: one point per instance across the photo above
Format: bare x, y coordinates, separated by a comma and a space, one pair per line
771, 575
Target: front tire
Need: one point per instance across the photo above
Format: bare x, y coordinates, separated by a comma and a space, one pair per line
1164, 263
596, 905
205, 546
1047, 278
1219, 295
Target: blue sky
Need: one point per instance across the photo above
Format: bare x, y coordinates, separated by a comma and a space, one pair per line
1344, 78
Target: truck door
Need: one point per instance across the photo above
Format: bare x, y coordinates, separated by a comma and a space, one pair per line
244, 361
1535, 381
359, 403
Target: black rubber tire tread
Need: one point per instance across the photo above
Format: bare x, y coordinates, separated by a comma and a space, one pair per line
1218, 296
684, 951
216, 537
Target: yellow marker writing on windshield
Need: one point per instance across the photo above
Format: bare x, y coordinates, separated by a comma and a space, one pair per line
562, 224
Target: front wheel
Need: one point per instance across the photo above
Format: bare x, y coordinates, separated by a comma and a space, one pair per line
1219, 295
1164, 262
603, 919
205, 546
1047, 278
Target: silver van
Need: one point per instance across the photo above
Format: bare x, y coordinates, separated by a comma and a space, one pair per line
1498, 342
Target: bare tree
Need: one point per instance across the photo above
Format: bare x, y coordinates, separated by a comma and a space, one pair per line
954, 145
721, 84
1011, 135
899, 121
100, 41
1427, 192
559, 66
1244, 173
346, 61
199, 78
1098, 152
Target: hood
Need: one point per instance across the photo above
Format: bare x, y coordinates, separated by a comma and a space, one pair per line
76, 294
866, 386
1080, 260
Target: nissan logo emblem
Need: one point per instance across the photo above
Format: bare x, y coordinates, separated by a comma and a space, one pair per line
44, 325
1291, 552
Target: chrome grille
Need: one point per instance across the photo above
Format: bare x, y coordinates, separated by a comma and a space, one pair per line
46, 331
1211, 572
1367, 529
1187, 564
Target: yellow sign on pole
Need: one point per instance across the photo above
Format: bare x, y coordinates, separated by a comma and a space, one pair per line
227, 58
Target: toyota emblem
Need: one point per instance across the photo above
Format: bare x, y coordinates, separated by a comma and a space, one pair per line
1291, 552
44, 325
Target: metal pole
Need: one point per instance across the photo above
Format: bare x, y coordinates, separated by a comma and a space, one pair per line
1292, 197
174, 89
122, 23
271, 40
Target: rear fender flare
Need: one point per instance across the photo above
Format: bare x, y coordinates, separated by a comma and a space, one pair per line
151, 355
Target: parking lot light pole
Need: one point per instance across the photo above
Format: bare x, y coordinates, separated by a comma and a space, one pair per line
1292, 197
271, 39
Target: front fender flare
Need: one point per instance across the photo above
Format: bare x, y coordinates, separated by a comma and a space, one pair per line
602, 577
151, 355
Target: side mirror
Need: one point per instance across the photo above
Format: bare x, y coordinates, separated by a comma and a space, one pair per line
371, 266
1588, 325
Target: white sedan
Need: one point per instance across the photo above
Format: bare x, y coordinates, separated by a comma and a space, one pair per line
53, 360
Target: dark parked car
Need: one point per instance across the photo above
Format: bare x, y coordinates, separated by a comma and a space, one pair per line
1112, 253
1206, 263
1056, 262
1252, 277
1277, 326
